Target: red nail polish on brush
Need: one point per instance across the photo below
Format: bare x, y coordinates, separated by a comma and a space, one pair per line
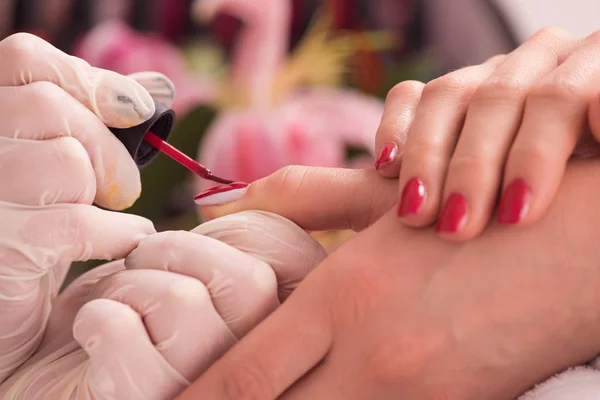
221, 194
514, 203
145, 141
453, 215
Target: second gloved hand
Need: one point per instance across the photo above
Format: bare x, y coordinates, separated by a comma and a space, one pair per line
186, 298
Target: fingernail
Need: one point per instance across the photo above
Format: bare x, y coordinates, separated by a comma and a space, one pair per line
514, 203
121, 102
412, 197
388, 152
221, 194
157, 84
453, 215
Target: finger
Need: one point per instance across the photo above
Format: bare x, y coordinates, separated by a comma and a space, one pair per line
243, 288
123, 362
322, 383
259, 366
431, 141
119, 101
594, 125
493, 118
77, 293
53, 234
313, 198
398, 114
158, 85
284, 246
45, 172
177, 311
555, 118
57, 115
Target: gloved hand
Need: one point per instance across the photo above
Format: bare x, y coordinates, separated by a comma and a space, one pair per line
185, 298
57, 157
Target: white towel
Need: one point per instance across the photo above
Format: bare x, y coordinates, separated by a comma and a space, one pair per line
579, 383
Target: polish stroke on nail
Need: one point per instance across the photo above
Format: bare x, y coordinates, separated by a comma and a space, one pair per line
221, 194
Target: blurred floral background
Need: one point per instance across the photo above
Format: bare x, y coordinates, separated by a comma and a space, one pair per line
266, 83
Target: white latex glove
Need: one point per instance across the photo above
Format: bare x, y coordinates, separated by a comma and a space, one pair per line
57, 157
185, 299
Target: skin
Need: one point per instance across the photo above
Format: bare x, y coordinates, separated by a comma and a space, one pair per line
411, 327
479, 129
397, 312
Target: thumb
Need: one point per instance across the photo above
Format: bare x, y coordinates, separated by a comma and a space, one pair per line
313, 197
123, 361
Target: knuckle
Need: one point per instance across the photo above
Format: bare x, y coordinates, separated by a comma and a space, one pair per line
108, 285
73, 155
167, 242
248, 381
47, 97
499, 88
495, 60
405, 89
593, 38
467, 164
125, 320
287, 179
537, 155
265, 281
122, 318
452, 84
74, 161
422, 154
187, 292
20, 48
551, 33
560, 88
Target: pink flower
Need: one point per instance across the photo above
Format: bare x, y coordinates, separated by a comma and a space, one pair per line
311, 128
306, 127
114, 46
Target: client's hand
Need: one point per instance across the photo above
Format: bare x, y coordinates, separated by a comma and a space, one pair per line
185, 298
506, 127
399, 313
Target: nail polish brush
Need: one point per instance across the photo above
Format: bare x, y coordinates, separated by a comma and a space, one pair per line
146, 140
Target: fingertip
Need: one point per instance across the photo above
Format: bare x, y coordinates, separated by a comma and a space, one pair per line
515, 203
158, 85
120, 101
119, 184
388, 160
103, 321
416, 208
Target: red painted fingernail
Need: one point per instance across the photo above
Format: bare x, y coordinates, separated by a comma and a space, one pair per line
412, 197
221, 194
388, 152
453, 215
514, 203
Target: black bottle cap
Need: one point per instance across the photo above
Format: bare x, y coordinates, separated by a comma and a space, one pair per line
142, 152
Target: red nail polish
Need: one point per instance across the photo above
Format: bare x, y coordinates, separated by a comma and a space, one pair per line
412, 197
453, 215
514, 203
210, 196
388, 152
